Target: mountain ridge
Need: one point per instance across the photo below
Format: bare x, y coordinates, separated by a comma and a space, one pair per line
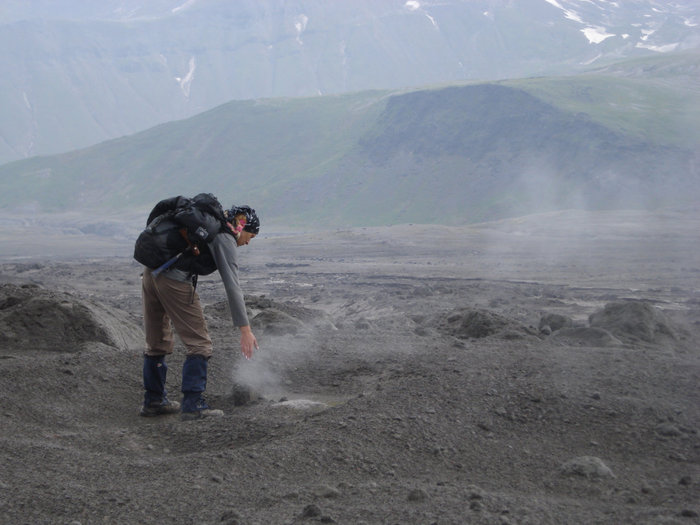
454, 154
81, 74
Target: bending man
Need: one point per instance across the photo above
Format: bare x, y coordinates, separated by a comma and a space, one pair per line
170, 297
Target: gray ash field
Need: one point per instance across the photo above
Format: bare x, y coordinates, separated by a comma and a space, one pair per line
540, 370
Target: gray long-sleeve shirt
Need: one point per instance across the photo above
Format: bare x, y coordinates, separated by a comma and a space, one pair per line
223, 248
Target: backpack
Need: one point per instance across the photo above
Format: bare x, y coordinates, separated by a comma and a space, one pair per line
181, 228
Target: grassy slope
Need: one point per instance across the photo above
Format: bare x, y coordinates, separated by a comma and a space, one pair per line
655, 99
327, 159
262, 145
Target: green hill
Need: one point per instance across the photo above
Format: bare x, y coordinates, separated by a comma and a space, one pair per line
447, 155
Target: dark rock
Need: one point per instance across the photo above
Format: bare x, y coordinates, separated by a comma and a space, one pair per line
586, 466
633, 321
587, 336
417, 495
555, 322
311, 511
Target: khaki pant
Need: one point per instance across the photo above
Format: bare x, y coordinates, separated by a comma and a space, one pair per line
167, 300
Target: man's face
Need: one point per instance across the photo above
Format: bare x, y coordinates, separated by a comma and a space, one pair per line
244, 238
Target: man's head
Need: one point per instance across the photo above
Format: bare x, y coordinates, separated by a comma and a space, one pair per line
244, 222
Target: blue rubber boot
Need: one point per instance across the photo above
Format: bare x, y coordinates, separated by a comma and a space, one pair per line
155, 399
194, 384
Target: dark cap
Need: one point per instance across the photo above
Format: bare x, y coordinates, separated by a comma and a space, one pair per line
252, 222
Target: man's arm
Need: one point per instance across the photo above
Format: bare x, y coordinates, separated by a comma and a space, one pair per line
223, 249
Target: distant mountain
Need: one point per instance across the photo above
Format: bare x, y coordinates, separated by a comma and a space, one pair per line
76, 73
453, 154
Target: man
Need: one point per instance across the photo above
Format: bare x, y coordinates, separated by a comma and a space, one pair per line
169, 297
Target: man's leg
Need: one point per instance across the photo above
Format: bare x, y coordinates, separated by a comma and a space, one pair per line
183, 307
159, 343
180, 304
194, 384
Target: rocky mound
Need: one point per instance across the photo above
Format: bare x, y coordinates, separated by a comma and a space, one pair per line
586, 336
467, 323
275, 322
633, 321
552, 322
271, 317
33, 318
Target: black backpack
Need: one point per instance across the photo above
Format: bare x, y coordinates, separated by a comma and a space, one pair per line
178, 231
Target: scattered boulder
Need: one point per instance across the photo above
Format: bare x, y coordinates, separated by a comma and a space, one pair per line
261, 303
554, 322
275, 322
311, 511
34, 318
589, 467
242, 395
231, 517
465, 323
417, 495
326, 491
587, 336
668, 430
633, 321
266, 315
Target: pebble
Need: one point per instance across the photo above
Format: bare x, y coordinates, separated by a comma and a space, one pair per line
475, 493
230, 517
417, 495
311, 511
324, 491
586, 466
668, 430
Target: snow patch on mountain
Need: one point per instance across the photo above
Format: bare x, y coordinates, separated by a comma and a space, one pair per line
596, 35
300, 23
186, 81
187, 4
571, 15
589, 62
413, 5
596, 16
666, 48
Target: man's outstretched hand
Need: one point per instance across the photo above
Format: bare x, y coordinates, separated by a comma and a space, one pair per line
248, 342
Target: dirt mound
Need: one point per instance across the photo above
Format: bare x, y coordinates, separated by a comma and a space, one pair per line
586, 336
271, 317
633, 321
34, 318
466, 323
553, 322
259, 304
275, 322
